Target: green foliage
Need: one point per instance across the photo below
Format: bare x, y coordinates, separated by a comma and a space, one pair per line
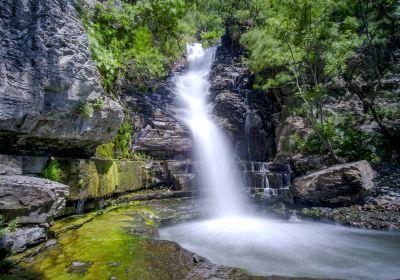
135, 39
52, 171
122, 140
347, 141
4, 227
389, 113
300, 38
140, 156
84, 109
106, 150
99, 103
12, 226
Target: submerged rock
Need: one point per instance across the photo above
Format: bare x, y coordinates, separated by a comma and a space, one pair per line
79, 267
338, 185
31, 200
48, 84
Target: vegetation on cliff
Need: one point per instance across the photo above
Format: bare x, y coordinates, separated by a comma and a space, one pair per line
319, 50
318, 47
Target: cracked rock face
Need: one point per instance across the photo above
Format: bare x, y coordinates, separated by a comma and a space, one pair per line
31, 200
46, 77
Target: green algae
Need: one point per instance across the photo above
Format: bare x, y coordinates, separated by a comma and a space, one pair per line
96, 178
103, 242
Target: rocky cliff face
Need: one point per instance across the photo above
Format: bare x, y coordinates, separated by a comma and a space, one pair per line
244, 114
157, 129
51, 99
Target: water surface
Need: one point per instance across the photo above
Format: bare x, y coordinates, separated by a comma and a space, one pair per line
279, 247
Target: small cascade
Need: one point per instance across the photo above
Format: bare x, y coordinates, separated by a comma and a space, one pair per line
247, 134
267, 179
79, 206
102, 203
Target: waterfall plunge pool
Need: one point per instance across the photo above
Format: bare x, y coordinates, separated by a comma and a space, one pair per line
265, 246
260, 245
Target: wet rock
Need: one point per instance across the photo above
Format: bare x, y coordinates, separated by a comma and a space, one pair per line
230, 109
247, 123
51, 243
31, 200
19, 240
338, 185
292, 125
46, 76
368, 216
79, 267
143, 230
158, 131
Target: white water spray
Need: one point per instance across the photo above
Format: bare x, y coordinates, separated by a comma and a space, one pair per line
216, 161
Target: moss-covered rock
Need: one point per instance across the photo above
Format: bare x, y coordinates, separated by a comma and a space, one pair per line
96, 178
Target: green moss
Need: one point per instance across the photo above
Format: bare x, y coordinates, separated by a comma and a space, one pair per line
106, 150
130, 176
89, 181
312, 212
84, 109
52, 171
101, 241
109, 177
103, 177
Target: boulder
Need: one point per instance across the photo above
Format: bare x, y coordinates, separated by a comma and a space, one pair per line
49, 87
337, 186
20, 239
31, 200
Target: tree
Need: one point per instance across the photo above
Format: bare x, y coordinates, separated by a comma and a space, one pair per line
307, 43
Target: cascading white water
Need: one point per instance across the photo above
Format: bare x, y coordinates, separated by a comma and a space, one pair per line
259, 244
216, 162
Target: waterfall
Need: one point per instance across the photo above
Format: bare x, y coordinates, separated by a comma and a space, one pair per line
216, 166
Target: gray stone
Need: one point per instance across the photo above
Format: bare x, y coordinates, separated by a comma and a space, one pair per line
20, 239
31, 200
10, 165
33, 165
158, 131
246, 123
290, 126
46, 73
336, 186
79, 267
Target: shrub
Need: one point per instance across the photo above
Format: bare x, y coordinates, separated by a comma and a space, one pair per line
84, 109
12, 226
141, 157
137, 38
122, 140
349, 142
99, 103
106, 150
4, 228
52, 171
